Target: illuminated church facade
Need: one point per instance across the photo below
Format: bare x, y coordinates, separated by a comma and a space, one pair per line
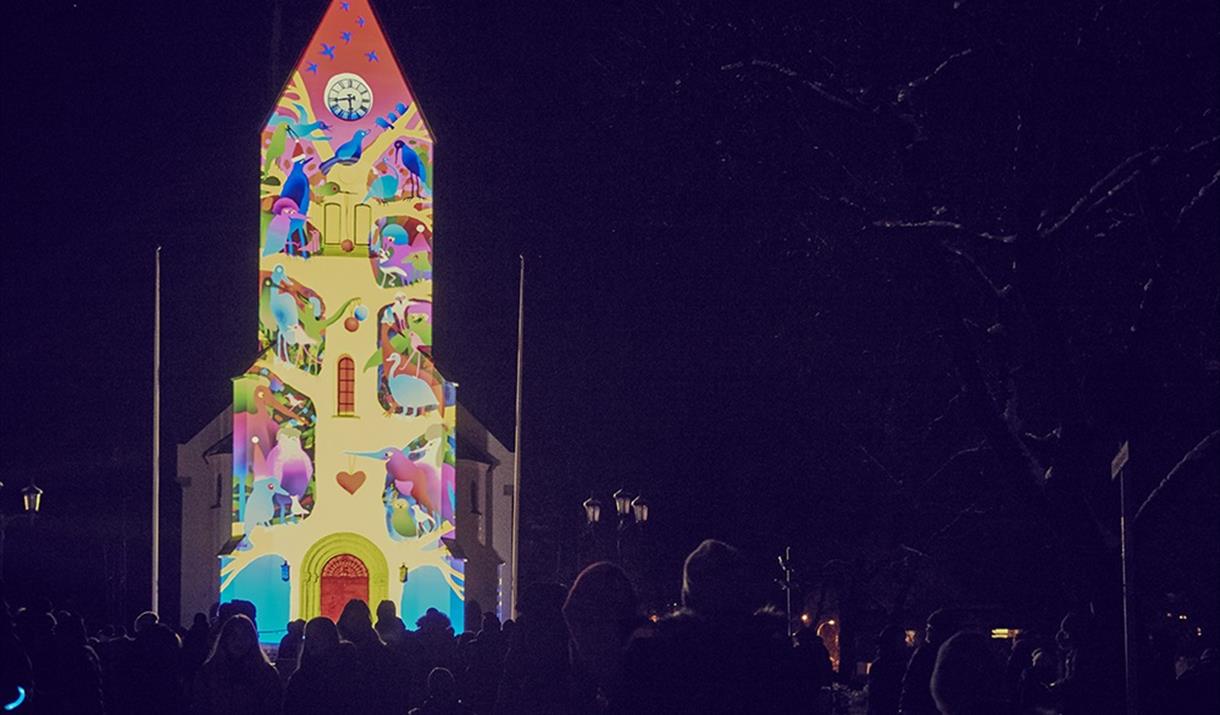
336, 474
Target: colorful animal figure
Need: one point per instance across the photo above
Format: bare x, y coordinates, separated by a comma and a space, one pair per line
296, 190
285, 216
388, 121
409, 477
424, 523
299, 126
297, 509
312, 322
260, 506
275, 149
290, 464
348, 152
412, 394
284, 310
383, 188
414, 165
404, 253
400, 519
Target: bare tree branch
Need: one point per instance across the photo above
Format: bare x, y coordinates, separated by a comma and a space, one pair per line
1206, 449
819, 88
944, 226
953, 459
918, 82
1194, 201
1107, 186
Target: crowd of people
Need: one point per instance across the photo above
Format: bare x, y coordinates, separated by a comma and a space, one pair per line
584, 649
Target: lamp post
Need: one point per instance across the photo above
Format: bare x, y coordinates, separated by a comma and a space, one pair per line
631, 512
31, 503
593, 511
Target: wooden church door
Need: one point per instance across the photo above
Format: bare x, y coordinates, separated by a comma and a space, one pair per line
344, 577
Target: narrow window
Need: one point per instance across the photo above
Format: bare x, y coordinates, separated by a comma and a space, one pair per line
347, 386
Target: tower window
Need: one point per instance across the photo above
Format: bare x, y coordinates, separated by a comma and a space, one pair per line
347, 386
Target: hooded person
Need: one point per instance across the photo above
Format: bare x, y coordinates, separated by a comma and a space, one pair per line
916, 698
237, 678
601, 612
885, 674
713, 655
324, 680
537, 675
966, 679
382, 684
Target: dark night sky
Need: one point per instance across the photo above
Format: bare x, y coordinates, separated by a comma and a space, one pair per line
705, 322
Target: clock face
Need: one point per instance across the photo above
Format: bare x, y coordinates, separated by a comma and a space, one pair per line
348, 96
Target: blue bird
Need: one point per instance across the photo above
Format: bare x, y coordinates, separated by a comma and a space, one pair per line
328, 50
348, 152
414, 166
296, 188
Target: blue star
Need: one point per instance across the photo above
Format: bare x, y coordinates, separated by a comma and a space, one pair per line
312, 67
347, 37
360, 21
328, 50
372, 55
346, 6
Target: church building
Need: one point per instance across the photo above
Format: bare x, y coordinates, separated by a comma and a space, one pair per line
346, 467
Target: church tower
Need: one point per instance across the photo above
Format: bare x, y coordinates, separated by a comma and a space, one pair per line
343, 428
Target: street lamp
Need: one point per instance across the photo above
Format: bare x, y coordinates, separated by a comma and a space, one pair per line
285, 572
593, 511
622, 503
31, 498
31, 502
639, 507
402, 573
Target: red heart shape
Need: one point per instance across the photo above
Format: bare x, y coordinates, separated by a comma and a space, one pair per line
350, 481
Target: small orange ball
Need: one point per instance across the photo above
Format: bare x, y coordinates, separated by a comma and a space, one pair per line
351, 324
347, 245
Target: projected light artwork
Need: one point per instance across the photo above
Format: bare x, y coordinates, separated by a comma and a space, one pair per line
343, 428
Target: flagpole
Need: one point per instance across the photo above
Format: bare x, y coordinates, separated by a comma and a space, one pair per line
156, 437
517, 436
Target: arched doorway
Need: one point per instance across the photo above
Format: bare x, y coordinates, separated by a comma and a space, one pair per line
319, 556
343, 578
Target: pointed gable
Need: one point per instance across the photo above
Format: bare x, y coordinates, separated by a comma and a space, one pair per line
350, 56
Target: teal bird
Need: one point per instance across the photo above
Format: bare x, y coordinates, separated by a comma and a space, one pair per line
301, 128
260, 505
383, 188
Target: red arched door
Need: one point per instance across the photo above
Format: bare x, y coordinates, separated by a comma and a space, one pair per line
344, 577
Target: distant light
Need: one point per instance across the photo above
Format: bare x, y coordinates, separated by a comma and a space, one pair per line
804, 618
831, 622
1004, 633
1181, 616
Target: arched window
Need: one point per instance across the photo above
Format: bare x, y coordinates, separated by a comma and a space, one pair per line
347, 386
